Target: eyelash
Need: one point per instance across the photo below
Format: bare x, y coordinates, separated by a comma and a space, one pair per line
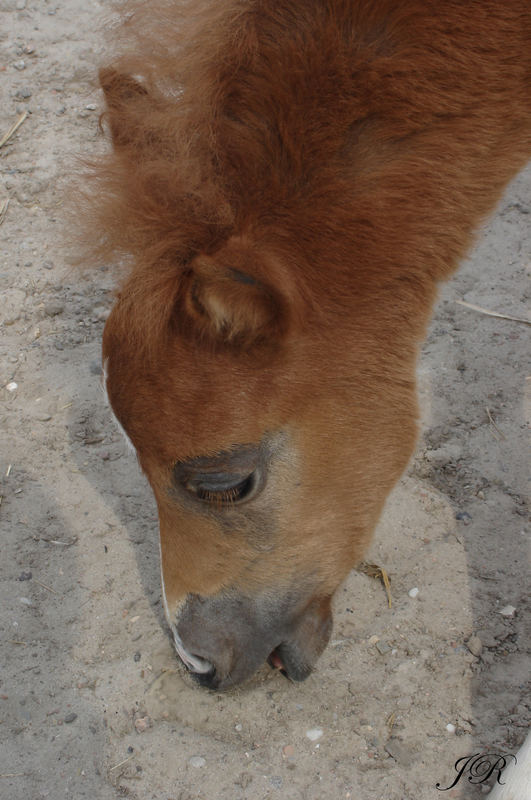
228, 496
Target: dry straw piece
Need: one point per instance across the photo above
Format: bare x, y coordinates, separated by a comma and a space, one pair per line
374, 571
3, 209
488, 313
16, 125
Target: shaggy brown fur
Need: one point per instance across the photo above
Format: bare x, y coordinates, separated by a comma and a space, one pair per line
289, 181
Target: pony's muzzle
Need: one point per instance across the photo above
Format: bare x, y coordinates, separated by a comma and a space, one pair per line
225, 638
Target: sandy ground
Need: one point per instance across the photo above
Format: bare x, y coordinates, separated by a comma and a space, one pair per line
93, 703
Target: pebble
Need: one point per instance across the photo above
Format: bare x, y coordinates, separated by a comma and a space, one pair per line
450, 728
70, 717
475, 645
383, 648
53, 309
507, 611
25, 576
197, 761
12, 387
413, 592
238, 727
20, 65
137, 656
142, 724
288, 751
12, 305
487, 639
100, 313
314, 733
276, 781
402, 753
25, 601
91, 106
23, 94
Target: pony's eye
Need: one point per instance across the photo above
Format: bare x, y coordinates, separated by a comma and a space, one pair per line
222, 488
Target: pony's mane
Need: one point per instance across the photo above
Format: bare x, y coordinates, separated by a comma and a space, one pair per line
274, 117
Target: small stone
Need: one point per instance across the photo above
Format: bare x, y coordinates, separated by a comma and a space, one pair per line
475, 645
450, 728
43, 417
25, 576
313, 734
12, 305
507, 611
23, 94
413, 592
480, 495
464, 516
402, 753
20, 65
487, 639
136, 657
142, 724
383, 648
374, 639
197, 761
238, 727
276, 781
12, 387
288, 751
101, 313
91, 106
70, 717
25, 601
53, 309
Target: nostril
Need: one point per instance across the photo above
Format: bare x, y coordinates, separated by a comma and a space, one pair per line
210, 680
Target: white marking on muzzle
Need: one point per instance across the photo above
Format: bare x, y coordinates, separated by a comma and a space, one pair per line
194, 663
128, 441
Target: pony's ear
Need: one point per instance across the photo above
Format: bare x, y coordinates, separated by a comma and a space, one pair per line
228, 305
121, 93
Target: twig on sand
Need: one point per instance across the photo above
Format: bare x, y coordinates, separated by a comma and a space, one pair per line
491, 420
121, 763
374, 571
48, 588
7, 136
488, 313
3, 209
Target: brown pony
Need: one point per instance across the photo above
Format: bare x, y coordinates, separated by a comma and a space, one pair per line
289, 181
